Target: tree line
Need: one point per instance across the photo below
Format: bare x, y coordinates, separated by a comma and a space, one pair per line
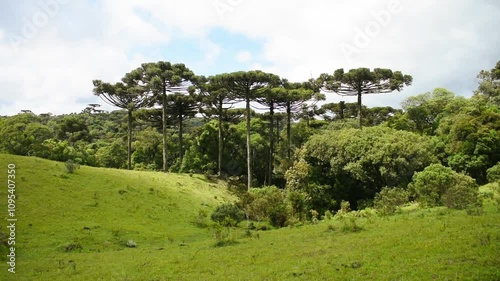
260, 129
176, 89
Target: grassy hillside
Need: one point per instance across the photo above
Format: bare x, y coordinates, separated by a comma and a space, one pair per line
76, 226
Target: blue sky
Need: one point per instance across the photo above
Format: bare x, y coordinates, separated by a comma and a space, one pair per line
51, 50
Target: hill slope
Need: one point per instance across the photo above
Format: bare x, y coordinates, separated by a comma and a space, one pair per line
95, 211
76, 226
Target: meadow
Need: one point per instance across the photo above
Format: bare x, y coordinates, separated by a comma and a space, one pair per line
107, 224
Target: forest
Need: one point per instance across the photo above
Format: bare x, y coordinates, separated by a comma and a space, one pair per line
259, 131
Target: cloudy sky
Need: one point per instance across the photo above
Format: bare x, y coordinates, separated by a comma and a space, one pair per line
51, 50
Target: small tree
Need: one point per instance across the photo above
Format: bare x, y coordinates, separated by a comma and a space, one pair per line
437, 185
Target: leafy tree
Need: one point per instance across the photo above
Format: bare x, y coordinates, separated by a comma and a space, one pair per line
471, 140
494, 173
112, 155
489, 85
375, 116
425, 111
438, 185
73, 128
148, 148
129, 94
355, 164
23, 134
162, 78
361, 81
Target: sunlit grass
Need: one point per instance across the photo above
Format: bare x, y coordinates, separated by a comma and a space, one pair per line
99, 210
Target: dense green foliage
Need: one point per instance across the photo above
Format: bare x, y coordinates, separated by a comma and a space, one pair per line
354, 164
438, 185
228, 214
388, 200
494, 173
319, 154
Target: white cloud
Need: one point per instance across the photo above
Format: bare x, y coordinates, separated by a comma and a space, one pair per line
243, 57
427, 39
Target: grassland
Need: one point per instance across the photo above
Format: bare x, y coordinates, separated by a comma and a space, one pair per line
76, 227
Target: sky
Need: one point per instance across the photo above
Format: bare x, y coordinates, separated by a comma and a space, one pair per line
51, 50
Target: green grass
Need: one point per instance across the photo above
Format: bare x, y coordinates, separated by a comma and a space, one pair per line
98, 210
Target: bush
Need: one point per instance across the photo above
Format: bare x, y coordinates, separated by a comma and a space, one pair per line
493, 173
388, 200
228, 214
278, 216
299, 202
261, 202
350, 225
201, 219
71, 166
460, 197
437, 185
345, 208
223, 236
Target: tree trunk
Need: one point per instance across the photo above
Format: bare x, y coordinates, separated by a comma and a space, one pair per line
271, 143
277, 139
359, 109
129, 141
342, 109
288, 129
219, 162
181, 152
164, 128
249, 145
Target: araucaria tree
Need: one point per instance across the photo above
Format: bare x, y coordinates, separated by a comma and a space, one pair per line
361, 81
247, 86
215, 100
180, 107
293, 97
162, 78
129, 94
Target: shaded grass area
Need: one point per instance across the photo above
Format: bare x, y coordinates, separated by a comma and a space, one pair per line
99, 210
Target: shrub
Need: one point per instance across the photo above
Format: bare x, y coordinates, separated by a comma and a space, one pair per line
350, 225
328, 215
201, 219
493, 173
262, 202
228, 214
437, 185
460, 197
71, 166
223, 236
299, 202
278, 215
388, 200
345, 208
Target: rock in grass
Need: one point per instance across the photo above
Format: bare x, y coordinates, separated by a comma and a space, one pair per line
131, 244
